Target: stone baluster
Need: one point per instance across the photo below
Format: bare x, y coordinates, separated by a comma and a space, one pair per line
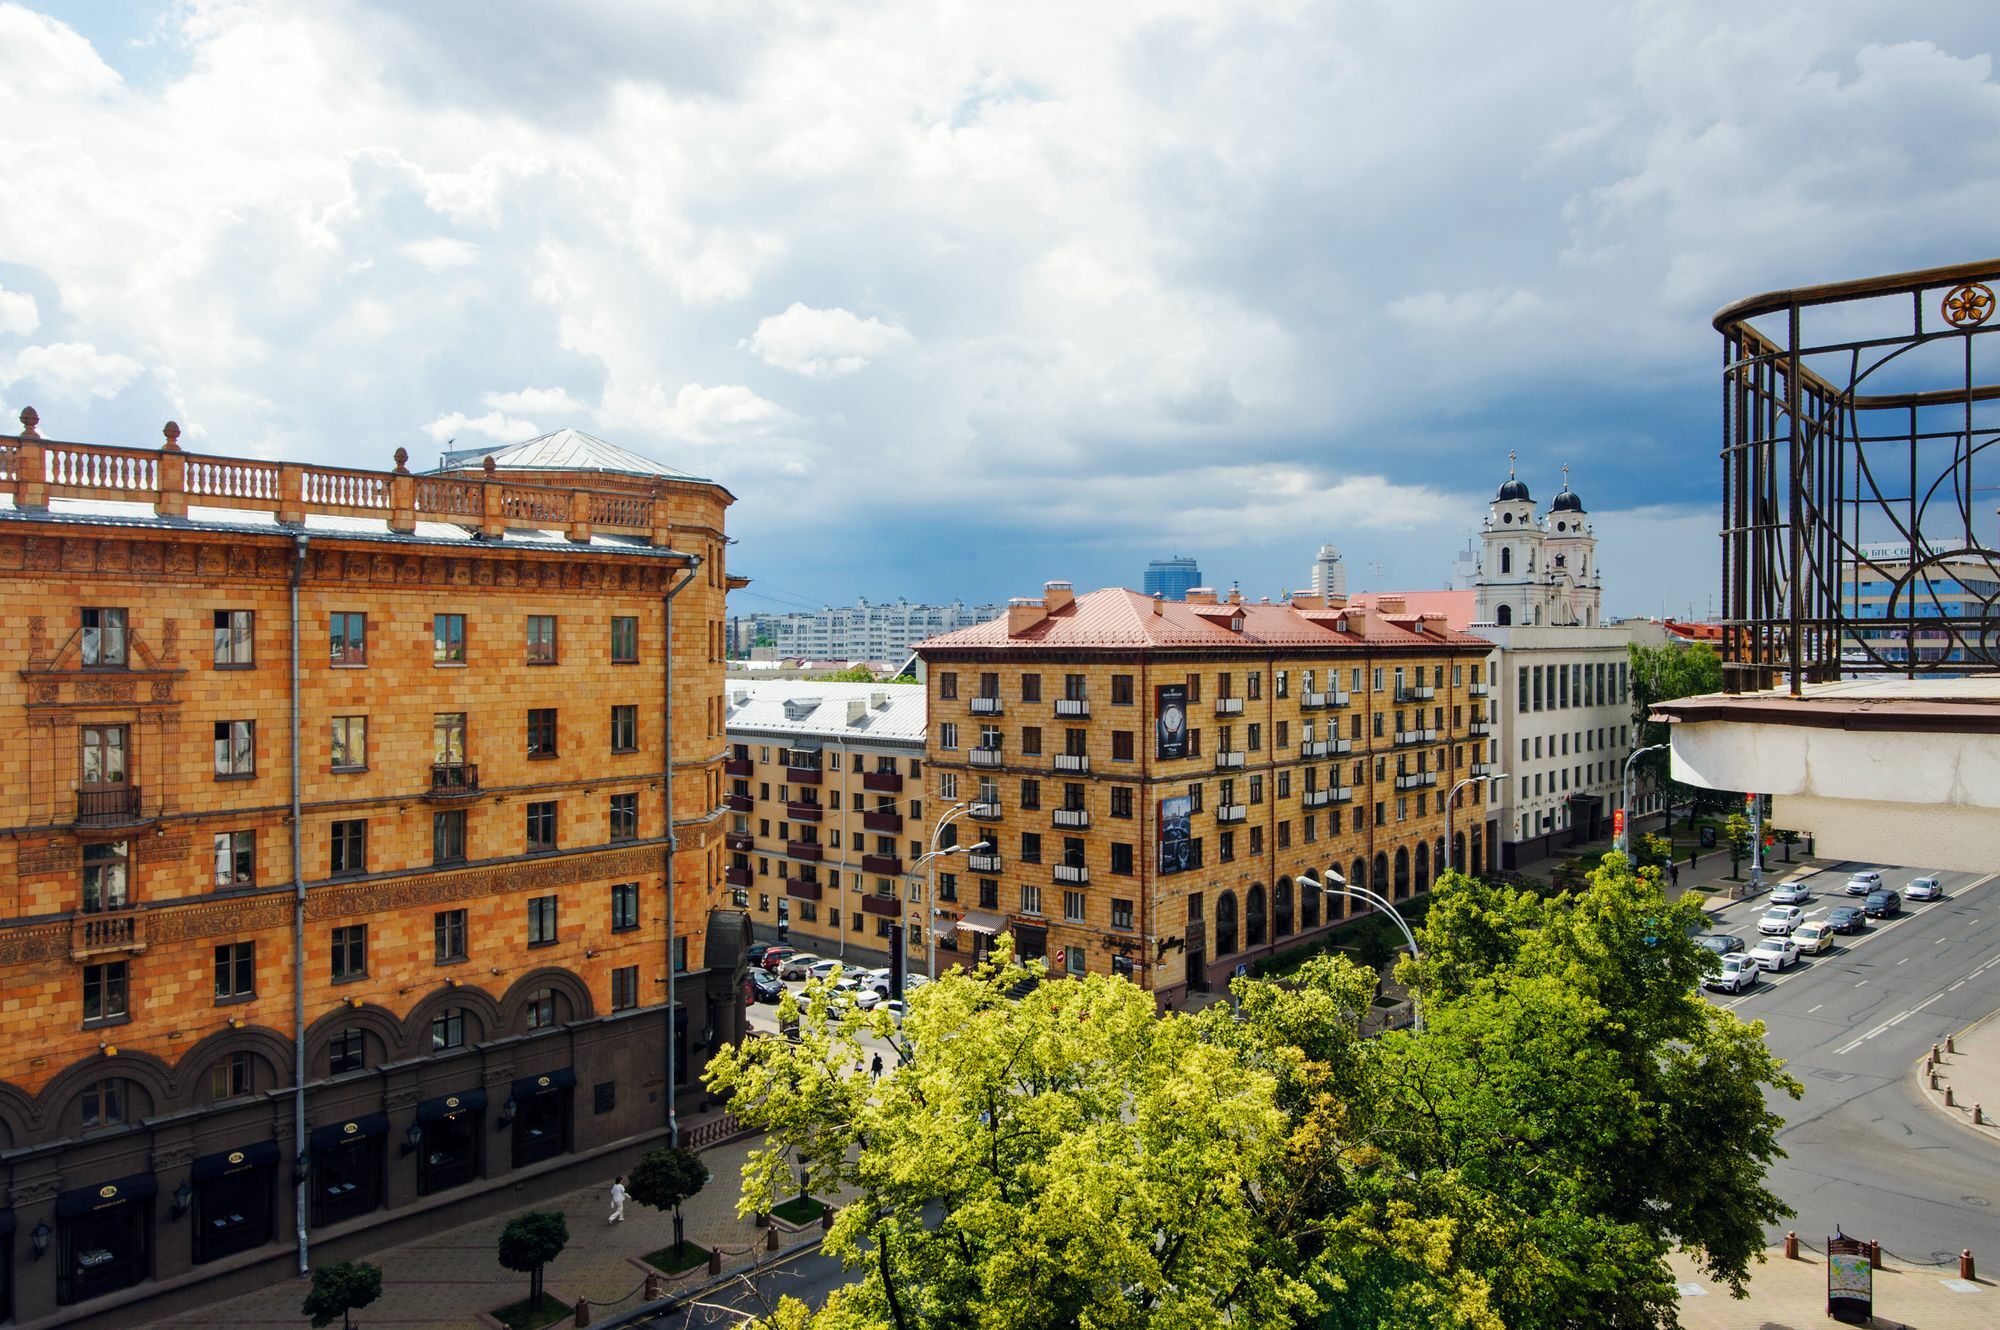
493, 521
403, 496
31, 486
171, 499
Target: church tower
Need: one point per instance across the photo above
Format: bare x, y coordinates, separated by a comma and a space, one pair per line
1510, 562
1571, 551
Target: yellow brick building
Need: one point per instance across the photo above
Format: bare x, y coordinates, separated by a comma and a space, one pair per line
1151, 777
337, 823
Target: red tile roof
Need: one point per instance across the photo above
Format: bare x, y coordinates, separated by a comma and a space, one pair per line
1457, 607
1118, 619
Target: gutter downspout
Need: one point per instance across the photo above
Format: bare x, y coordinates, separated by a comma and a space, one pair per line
298, 941
673, 841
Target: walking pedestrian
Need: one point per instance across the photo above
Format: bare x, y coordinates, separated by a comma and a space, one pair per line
875, 1068
1673, 875
617, 1200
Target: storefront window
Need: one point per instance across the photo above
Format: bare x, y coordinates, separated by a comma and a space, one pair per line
347, 1168
232, 1200
448, 1151
542, 1116
105, 1234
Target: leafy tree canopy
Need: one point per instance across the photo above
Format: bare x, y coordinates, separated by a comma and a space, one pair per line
531, 1241
852, 674
666, 1177
1661, 674
340, 1289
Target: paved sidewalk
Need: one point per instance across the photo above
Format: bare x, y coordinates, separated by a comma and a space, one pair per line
449, 1278
1791, 1295
1970, 1072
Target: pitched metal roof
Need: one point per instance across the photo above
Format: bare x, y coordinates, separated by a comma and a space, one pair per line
565, 450
888, 712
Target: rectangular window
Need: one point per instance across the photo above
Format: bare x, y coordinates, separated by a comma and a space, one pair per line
349, 743
1121, 801
235, 639
1256, 840
448, 836
347, 638
350, 952
448, 935
1225, 847
1031, 847
1121, 746
948, 687
348, 854
104, 992
448, 639
1031, 795
624, 817
1121, 859
1073, 906
989, 894
625, 729
541, 732
1283, 737
1121, 914
231, 1076
624, 906
235, 749
1121, 690
1031, 900
948, 735
625, 988
541, 639
1031, 688
1031, 741
448, 1029
104, 639
348, 1052
235, 970
541, 826
624, 639
1073, 960
235, 859
541, 921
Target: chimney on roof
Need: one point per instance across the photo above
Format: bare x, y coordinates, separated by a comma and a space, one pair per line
1058, 595
878, 701
1201, 595
856, 709
1023, 613
1357, 620
1303, 601
1335, 602
1159, 605
1389, 604
1235, 593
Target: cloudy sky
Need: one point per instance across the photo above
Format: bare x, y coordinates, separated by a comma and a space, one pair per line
958, 298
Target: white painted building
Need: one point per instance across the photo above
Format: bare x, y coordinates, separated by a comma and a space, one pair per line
1329, 574
862, 631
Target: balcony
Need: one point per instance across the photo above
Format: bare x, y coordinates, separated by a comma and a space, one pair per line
1073, 706
738, 766
1477, 688
804, 812
1072, 762
1316, 747
803, 775
1332, 698
983, 863
1074, 875
454, 780
801, 889
985, 757
1228, 813
738, 803
1340, 794
986, 706
1405, 737
106, 932
882, 782
809, 850
1479, 729
1228, 706
108, 808
1479, 770
740, 844
737, 877
879, 904
1071, 817
1416, 780
886, 865
986, 810
1415, 692
1317, 798
880, 821
1228, 761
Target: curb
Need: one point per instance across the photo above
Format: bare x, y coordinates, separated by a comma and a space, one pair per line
674, 1302
1990, 1130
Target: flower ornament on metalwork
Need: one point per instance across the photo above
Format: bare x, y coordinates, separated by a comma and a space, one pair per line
1969, 305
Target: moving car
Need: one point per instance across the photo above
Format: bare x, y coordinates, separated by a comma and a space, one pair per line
1881, 904
1775, 953
1924, 889
1860, 884
1814, 937
798, 965
1846, 919
1722, 944
1737, 973
1791, 893
1781, 920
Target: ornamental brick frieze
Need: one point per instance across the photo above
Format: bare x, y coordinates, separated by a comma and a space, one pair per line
184, 923
159, 849
34, 942
33, 1191
167, 1158
436, 888
488, 570
52, 687
49, 857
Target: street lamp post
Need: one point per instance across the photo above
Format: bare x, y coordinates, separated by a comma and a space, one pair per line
1450, 802
1336, 885
930, 902
1625, 794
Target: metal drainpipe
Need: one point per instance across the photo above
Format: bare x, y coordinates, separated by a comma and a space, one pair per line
673, 841
298, 940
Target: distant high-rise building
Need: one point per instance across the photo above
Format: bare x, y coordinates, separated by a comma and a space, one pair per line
1329, 574
1172, 578
863, 631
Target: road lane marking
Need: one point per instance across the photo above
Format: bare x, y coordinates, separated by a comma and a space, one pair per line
1814, 1007
1904, 961
1955, 987
1889, 1024
1862, 984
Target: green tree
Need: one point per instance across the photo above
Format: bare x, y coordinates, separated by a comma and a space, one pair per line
1661, 674
1067, 1158
904, 678
666, 1177
1653, 851
340, 1289
1736, 836
852, 674
1787, 839
531, 1241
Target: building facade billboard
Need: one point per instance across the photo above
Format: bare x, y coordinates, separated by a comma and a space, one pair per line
1176, 834
1170, 726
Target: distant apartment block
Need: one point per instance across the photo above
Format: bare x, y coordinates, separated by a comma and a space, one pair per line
862, 631
1903, 612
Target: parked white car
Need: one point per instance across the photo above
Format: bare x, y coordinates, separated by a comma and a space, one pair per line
1813, 938
1924, 889
1860, 884
1791, 893
1736, 973
1780, 920
798, 966
1775, 953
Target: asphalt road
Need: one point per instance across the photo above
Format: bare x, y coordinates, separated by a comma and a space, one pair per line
807, 1276
1865, 1151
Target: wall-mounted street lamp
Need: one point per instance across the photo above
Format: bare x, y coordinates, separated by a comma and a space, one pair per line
413, 1138
38, 1241
183, 1198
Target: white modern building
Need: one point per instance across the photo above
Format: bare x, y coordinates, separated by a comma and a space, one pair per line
862, 631
1329, 573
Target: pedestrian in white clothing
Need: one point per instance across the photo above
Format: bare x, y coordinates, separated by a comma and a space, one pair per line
617, 1200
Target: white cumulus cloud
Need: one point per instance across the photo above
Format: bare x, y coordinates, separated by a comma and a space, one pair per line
442, 252
823, 343
494, 425
19, 315
547, 401
70, 371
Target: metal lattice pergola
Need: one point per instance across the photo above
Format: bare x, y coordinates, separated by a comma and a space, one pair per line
1858, 526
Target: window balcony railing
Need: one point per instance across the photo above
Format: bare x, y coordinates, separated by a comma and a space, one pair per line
882, 782
880, 904
738, 803
803, 775
1480, 770
1318, 798
986, 706
983, 863
1072, 762
454, 780
1316, 747
879, 821
742, 844
1228, 706
1477, 688
108, 808
1340, 794
986, 810
737, 877
985, 757
800, 811
800, 889
1227, 813
1412, 780
1415, 692
809, 850
1071, 817
1073, 706
1479, 729
886, 865
738, 766
107, 931
1314, 701
1072, 874
1227, 760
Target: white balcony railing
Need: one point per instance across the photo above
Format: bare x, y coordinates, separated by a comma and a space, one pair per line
1227, 760
983, 863
1316, 747
1416, 779
1318, 798
1072, 762
986, 706
1072, 874
1230, 813
986, 810
1072, 817
986, 757
1072, 706
1228, 706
